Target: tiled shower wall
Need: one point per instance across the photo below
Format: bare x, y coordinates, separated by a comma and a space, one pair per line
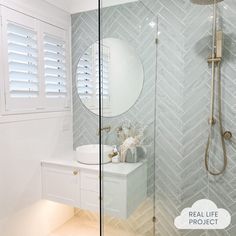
183, 92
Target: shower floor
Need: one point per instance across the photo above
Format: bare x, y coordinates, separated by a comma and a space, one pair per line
85, 227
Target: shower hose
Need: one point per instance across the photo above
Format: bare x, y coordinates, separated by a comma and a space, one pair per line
213, 122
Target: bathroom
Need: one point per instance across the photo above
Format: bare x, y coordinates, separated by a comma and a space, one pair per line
117, 117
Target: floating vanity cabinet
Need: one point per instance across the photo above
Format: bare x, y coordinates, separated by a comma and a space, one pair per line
124, 186
61, 184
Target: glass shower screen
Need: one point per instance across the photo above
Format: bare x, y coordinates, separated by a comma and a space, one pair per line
127, 87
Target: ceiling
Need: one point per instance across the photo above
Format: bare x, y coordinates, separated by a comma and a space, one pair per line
65, 5
74, 6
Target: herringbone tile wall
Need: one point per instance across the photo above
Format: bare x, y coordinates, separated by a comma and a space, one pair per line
183, 94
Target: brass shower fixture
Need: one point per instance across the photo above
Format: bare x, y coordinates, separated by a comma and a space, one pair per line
228, 135
215, 60
218, 50
212, 121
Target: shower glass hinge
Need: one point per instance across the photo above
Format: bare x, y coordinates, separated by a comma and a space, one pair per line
156, 40
154, 219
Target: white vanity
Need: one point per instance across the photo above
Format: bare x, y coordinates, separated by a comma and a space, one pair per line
75, 184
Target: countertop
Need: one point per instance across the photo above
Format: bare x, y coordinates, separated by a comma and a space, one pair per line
123, 169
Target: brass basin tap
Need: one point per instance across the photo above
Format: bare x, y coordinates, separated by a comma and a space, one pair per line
107, 129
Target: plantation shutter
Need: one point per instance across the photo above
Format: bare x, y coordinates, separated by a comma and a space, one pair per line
85, 76
22, 85
35, 55
22, 61
54, 67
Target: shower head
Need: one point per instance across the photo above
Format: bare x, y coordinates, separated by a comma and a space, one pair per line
205, 2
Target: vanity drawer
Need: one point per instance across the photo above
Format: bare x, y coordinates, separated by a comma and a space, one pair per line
89, 181
61, 184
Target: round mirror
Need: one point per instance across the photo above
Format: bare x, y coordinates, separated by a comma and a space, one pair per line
122, 77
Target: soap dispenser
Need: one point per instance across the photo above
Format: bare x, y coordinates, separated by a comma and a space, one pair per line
116, 157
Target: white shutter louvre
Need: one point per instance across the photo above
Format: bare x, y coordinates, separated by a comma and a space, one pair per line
85, 76
54, 67
22, 61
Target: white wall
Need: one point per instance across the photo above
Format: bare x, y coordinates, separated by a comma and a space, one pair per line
24, 141
75, 6
87, 5
23, 145
41, 10
62, 4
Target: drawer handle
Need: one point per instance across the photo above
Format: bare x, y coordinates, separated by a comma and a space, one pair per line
75, 172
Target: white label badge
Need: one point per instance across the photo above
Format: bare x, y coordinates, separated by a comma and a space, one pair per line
204, 214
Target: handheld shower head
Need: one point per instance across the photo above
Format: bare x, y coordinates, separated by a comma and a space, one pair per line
205, 2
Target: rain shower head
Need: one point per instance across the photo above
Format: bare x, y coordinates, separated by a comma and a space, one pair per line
205, 2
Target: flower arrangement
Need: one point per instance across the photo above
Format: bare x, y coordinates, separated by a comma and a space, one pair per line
131, 136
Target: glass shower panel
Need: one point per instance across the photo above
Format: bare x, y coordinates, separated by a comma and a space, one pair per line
193, 74
128, 94
190, 200
85, 116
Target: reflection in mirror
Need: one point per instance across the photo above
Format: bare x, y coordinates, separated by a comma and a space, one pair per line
122, 77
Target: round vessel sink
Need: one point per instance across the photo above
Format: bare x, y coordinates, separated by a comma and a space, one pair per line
89, 154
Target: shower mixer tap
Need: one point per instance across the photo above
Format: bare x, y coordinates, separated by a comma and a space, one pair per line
228, 135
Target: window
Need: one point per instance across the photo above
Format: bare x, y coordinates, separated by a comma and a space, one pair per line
85, 76
20, 58
54, 67
22, 61
36, 58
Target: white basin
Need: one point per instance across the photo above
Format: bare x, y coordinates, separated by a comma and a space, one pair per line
89, 154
